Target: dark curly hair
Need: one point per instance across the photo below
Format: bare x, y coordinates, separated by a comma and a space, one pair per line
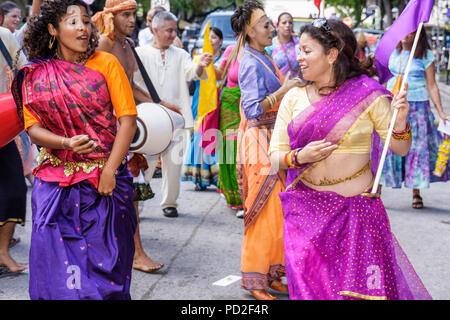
242, 15
342, 38
36, 36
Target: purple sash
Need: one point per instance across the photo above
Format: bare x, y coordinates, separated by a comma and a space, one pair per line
332, 116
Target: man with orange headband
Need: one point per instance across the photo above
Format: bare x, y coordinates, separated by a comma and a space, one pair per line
115, 23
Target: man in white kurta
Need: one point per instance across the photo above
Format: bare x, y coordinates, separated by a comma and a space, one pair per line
170, 69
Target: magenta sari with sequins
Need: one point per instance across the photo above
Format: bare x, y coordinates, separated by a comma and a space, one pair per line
340, 247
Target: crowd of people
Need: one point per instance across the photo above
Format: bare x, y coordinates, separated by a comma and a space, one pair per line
295, 116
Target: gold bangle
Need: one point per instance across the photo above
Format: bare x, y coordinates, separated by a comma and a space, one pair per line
274, 99
268, 101
269, 98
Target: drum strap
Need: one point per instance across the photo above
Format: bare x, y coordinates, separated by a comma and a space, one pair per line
151, 89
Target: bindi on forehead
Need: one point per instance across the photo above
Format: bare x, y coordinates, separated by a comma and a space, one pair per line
75, 11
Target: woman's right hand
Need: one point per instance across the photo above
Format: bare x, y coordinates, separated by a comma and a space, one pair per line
315, 151
289, 83
444, 117
81, 144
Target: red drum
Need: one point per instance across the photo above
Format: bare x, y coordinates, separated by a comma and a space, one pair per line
10, 123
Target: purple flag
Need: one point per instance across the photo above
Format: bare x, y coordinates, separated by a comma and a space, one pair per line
416, 11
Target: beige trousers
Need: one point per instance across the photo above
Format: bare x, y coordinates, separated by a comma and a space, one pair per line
171, 163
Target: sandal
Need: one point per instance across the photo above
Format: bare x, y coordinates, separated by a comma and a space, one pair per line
277, 285
417, 202
262, 294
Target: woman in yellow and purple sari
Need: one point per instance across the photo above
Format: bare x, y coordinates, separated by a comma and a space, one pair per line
71, 99
337, 238
262, 87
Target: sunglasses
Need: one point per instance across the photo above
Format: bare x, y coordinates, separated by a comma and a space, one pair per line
321, 23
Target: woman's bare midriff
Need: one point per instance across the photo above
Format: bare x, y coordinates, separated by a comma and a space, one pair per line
340, 166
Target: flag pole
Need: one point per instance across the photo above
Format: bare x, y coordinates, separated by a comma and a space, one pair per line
394, 116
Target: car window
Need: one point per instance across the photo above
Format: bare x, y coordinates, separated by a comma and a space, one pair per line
221, 22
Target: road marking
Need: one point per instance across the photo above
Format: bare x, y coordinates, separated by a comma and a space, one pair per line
226, 281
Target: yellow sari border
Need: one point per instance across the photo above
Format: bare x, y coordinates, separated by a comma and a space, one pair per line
70, 167
361, 296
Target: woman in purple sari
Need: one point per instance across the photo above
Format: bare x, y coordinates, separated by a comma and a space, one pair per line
70, 98
337, 238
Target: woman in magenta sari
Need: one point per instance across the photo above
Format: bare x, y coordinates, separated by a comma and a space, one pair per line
337, 238
70, 98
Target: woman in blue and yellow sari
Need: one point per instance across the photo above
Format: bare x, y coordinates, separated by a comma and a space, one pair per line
71, 98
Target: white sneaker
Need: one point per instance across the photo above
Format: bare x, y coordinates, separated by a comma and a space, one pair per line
240, 214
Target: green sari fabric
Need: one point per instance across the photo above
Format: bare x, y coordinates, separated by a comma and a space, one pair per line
229, 125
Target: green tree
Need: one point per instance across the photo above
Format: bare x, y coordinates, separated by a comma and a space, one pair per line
190, 9
350, 8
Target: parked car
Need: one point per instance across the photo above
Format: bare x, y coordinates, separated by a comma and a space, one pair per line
218, 19
189, 36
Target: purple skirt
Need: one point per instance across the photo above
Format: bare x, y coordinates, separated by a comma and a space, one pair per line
342, 248
82, 243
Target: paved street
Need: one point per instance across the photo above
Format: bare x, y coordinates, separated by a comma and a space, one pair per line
202, 245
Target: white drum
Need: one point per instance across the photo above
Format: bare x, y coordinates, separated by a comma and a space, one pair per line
155, 127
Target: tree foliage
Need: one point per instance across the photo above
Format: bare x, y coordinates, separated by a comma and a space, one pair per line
350, 8
190, 9
354, 8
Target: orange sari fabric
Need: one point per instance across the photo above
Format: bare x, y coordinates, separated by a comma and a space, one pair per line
255, 178
262, 251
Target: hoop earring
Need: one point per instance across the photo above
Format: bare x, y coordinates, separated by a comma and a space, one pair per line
51, 42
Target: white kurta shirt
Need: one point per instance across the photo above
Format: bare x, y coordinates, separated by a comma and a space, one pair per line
12, 46
170, 80
145, 37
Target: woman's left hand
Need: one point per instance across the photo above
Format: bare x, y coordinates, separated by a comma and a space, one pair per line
107, 183
401, 104
444, 117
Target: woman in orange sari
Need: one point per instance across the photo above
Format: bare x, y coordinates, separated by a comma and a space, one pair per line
262, 89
